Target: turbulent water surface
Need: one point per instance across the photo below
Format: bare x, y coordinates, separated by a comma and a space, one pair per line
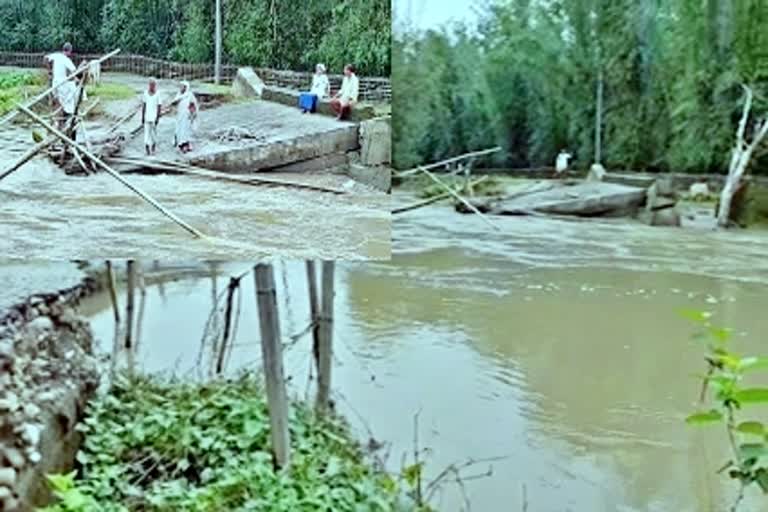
45, 214
557, 345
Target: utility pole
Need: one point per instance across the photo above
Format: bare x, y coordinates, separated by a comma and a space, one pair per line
217, 70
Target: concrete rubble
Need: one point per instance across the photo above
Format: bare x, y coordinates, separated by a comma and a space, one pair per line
47, 373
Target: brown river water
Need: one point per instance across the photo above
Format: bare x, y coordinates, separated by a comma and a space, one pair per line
47, 215
558, 345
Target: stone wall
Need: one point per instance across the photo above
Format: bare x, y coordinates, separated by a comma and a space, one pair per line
47, 373
373, 89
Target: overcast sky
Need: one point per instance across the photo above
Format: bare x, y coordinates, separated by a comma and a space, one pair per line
427, 14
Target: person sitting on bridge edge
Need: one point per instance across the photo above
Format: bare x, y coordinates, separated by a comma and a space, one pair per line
60, 67
150, 115
321, 89
347, 96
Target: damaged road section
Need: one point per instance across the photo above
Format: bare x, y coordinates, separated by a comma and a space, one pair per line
48, 372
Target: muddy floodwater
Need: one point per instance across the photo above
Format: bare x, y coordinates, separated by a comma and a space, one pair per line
45, 214
557, 344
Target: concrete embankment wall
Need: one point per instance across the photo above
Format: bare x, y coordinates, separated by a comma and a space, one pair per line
48, 371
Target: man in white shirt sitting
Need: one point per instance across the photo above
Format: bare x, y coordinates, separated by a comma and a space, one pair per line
347, 96
61, 67
150, 115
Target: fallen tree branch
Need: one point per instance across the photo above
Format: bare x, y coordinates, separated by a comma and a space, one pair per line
114, 174
740, 158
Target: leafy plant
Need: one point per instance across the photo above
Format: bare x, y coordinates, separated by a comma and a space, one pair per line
171, 446
731, 398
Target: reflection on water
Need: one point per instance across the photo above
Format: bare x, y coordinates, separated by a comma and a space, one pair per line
48, 215
581, 375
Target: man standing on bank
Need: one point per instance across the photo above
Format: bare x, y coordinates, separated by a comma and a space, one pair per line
347, 96
150, 116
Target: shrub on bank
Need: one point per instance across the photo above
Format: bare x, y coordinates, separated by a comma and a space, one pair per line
152, 445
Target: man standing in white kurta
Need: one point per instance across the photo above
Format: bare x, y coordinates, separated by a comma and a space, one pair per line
150, 115
61, 66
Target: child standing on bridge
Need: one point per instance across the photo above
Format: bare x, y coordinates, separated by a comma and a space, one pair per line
150, 115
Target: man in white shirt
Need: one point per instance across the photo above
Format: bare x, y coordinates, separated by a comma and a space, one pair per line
61, 67
150, 115
561, 163
347, 96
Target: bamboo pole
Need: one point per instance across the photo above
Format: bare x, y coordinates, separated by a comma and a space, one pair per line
474, 154
434, 199
44, 94
142, 305
314, 310
233, 284
272, 353
112, 291
164, 165
29, 155
129, 304
325, 348
457, 196
107, 168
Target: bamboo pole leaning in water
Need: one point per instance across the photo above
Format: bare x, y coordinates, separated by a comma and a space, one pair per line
129, 304
325, 348
116, 311
111, 171
142, 303
457, 196
431, 200
272, 354
44, 94
29, 155
314, 310
222, 349
474, 154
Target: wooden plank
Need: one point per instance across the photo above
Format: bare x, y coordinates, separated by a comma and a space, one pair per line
272, 354
325, 345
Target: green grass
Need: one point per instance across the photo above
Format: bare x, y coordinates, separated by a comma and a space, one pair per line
153, 445
16, 86
111, 91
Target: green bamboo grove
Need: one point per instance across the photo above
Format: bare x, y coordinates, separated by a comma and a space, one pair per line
526, 77
266, 33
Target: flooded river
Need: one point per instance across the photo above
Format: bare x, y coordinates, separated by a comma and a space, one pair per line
556, 344
45, 214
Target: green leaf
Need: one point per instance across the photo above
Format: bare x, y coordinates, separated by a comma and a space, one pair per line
761, 477
720, 334
751, 427
412, 473
753, 363
701, 418
752, 450
695, 315
751, 395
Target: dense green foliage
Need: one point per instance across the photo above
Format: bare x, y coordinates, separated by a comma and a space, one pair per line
267, 33
732, 397
526, 78
158, 446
